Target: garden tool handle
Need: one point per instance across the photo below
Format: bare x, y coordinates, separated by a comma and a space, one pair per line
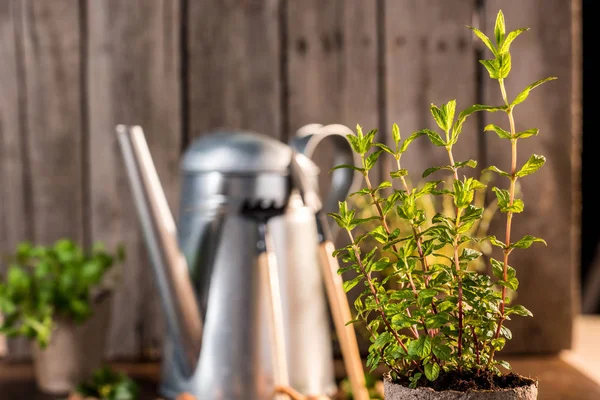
267, 264
340, 310
343, 181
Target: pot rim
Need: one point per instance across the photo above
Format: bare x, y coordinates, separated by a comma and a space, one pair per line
387, 379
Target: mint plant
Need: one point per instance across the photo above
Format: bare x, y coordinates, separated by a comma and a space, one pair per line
46, 282
441, 316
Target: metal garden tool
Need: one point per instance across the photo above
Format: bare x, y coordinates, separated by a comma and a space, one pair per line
218, 344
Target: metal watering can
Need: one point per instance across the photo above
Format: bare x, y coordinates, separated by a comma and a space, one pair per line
217, 345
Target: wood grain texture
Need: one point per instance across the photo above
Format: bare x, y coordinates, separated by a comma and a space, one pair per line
132, 77
14, 221
429, 58
52, 67
332, 68
41, 132
233, 66
545, 273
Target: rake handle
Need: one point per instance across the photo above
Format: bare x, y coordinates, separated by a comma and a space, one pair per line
340, 311
270, 286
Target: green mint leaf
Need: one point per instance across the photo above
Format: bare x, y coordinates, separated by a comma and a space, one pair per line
503, 197
383, 185
471, 213
519, 310
439, 116
497, 268
492, 67
348, 285
496, 170
504, 65
434, 137
503, 134
517, 207
420, 347
400, 173
359, 131
499, 28
469, 163
355, 143
510, 38
449, 110
379, 234
525, 93
442, 351
371, 160
432, 371
462, 117
469, 255
496, 242
484, 39
502, 363
380, 265
362, 192
348, 166
430, 171
396, 134
527, 133
534, 163
427, 294
427, 188
385, 148
409, 140
506, 333
498, 343
526, 242
368, 140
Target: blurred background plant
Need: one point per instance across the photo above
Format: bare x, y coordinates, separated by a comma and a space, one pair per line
47, 282
107, 384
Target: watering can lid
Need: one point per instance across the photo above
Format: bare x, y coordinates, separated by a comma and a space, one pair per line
240, 152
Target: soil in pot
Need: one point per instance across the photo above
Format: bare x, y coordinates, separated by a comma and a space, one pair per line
471, 380
465, 385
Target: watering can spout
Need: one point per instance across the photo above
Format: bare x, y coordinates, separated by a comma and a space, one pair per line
178, 298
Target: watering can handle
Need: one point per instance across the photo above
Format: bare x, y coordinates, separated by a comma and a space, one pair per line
344, 180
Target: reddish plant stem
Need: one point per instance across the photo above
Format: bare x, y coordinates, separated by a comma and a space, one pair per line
509, 214
513, 180
476, 347
375, 294
390, 366
395, 248
457, 264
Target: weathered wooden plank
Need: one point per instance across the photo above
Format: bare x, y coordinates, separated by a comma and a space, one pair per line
132, 77
545, 273
233, 66
332, 68
41, 125
429, 58
14, 221
52, 69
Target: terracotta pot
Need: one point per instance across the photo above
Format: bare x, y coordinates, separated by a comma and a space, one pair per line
394, 391
74, 352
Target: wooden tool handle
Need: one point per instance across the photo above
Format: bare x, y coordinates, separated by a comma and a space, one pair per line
340, 310
270, 287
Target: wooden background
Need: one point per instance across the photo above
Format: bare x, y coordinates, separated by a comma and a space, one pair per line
70, 70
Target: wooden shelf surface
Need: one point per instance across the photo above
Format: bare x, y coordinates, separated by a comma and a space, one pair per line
559, 379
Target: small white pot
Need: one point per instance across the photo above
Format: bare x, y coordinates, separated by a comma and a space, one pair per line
394, 391
74, 351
